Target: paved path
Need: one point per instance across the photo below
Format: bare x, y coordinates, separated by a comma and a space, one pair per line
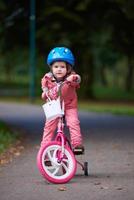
109, 142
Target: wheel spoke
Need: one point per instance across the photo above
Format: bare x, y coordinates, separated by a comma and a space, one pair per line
55, 153
66, 160
56, 170
65, 167
49, 155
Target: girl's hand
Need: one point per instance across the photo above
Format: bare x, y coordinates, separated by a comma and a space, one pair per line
74, 78
43, 95
52, 94
70, 78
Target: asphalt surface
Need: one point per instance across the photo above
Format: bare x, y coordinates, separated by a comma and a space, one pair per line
109, 143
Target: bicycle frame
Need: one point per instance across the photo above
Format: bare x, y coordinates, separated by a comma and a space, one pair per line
56, 160
60, 137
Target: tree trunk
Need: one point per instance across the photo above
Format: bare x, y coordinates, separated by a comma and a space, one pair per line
102, 75
129, 78
87, 77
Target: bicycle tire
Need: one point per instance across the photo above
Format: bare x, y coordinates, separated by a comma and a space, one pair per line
56, 173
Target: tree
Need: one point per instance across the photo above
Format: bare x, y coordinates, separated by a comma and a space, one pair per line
120, 18
73, 23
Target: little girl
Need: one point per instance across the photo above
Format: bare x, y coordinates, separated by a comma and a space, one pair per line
61, 62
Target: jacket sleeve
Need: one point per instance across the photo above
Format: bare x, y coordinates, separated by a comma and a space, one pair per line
44, 81
44, 87
51, 92
68, 86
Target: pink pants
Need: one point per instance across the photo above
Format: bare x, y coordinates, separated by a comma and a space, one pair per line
71, 116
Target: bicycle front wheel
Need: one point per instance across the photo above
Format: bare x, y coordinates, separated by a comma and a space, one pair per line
50, 167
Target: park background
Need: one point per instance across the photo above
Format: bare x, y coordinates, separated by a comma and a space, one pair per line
100, 33
101, 36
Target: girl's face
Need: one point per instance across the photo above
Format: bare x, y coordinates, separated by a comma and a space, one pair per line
59, 70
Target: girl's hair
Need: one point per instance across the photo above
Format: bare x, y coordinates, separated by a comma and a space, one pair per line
69, 68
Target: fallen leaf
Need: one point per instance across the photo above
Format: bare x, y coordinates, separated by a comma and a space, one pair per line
104, 187
3, 161
97, 183
17, 153
119, 188
62, 188
37, 146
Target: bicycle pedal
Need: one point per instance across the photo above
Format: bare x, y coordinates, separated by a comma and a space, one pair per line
78, 151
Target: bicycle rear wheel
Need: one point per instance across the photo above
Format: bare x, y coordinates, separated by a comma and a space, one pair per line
53, 170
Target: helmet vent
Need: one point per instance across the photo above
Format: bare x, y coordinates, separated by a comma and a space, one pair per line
66, 50
60, 54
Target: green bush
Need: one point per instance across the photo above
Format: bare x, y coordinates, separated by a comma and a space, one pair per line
7, 137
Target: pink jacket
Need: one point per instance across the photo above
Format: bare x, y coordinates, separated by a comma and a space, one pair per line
68, 90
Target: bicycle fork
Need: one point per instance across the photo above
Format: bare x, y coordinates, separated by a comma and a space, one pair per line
61, 152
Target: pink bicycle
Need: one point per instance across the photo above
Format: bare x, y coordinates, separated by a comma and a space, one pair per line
56, 160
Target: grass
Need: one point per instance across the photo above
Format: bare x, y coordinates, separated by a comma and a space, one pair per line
114, 107
110, 100
108, 107
113, 93
7, 137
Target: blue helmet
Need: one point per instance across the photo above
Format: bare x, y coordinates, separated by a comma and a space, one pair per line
60, 54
